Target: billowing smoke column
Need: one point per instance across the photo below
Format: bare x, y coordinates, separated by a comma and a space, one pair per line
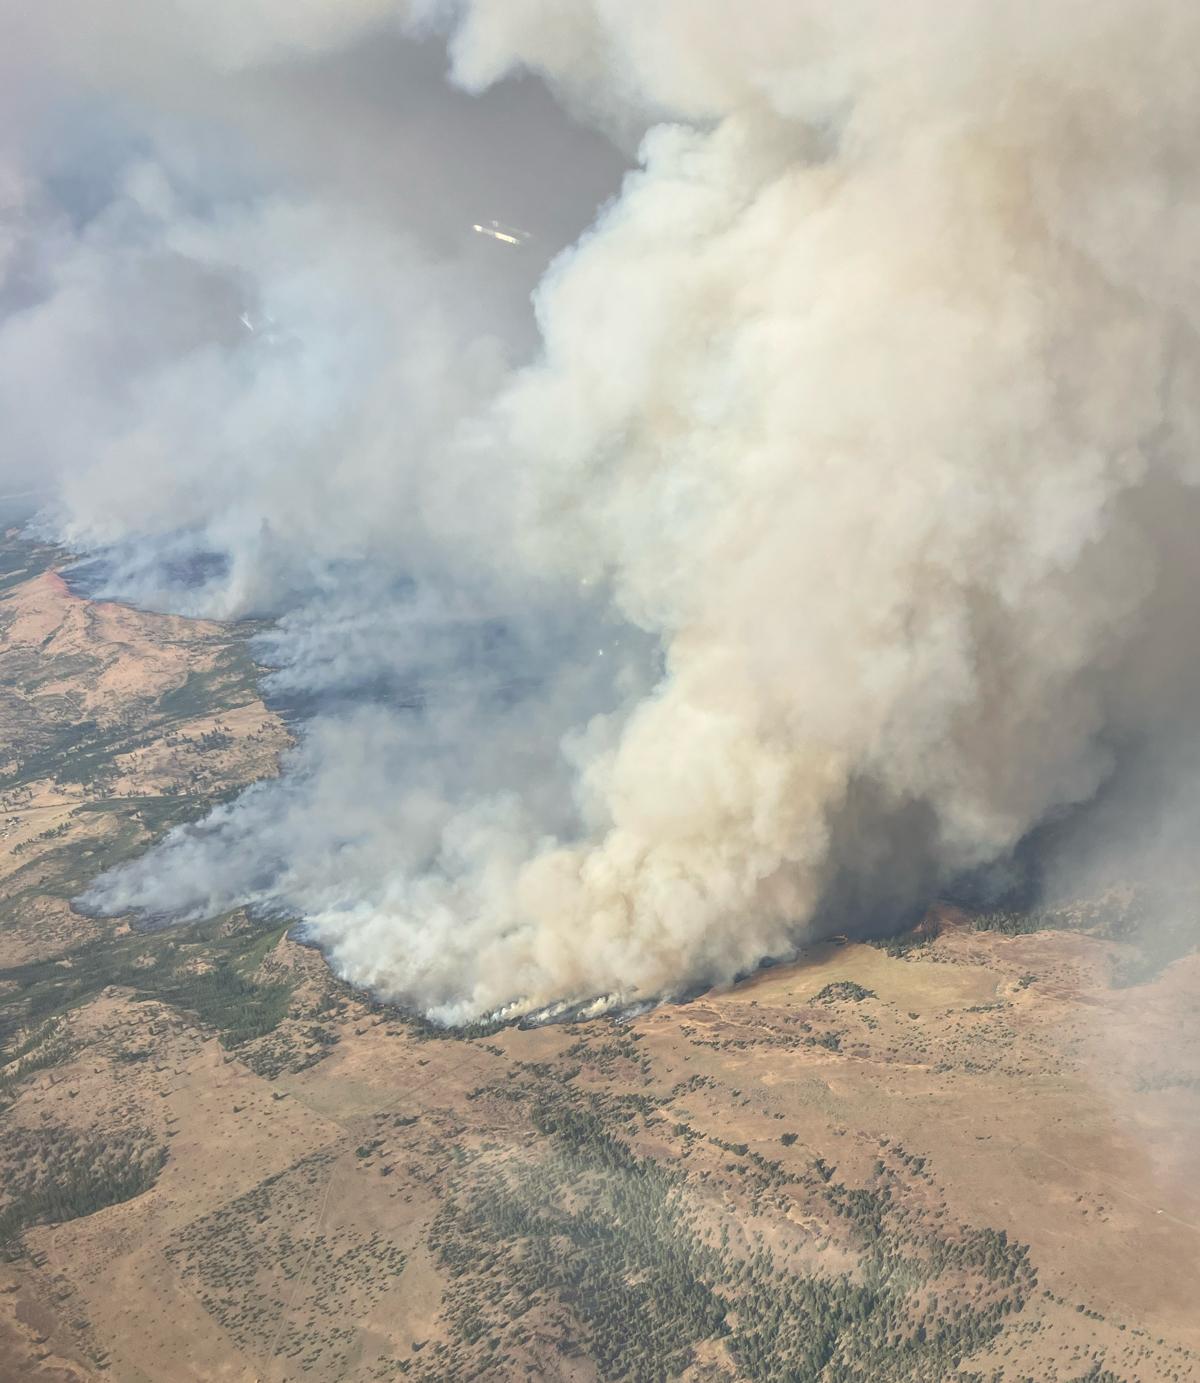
839, 532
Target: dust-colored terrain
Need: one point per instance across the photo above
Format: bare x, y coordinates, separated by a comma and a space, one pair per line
114, 726
971, 1154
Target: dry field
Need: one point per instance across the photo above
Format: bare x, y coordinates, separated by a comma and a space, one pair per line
974, 1156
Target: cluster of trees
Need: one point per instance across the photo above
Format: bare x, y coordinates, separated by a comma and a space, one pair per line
584, 1239
55, 1173
47, 1045
844, 989
903, 943
221, 991
240, 1259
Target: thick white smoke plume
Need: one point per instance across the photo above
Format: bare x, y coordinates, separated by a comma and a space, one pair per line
838, 532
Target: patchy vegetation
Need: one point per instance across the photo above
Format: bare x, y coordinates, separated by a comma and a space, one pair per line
749, 1186
844, 989
54, 1173
612, 1248
205, 969
251, 1260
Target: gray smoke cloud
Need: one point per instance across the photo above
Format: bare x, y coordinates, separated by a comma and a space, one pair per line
826, 530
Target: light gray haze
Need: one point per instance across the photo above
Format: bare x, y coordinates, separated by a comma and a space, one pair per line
825, 527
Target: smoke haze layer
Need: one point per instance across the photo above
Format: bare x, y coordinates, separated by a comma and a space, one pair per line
825, 530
